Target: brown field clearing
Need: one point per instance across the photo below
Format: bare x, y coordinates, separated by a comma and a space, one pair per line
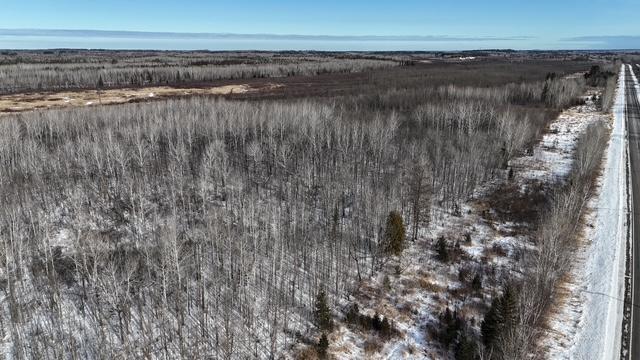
49, 100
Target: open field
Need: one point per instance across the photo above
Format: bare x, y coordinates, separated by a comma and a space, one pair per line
33, 101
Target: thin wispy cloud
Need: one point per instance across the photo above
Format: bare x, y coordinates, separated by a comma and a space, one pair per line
232, 36
621, 42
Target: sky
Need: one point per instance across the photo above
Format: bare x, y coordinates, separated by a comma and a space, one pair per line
322, 25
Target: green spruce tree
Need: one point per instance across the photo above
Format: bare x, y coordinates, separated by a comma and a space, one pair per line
385, 328
501, 317
322, 313
491, 325
442, 250
466, 348
476, 283
394, 234
323, 346
509, 308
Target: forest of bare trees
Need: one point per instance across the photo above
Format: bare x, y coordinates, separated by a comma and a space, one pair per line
201, 228
68, 71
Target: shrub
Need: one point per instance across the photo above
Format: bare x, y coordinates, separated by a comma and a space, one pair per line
463, 273
372, 345
386, 283
476, 283
353, 314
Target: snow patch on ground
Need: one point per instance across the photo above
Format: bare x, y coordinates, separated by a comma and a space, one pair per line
553, 157
63, 240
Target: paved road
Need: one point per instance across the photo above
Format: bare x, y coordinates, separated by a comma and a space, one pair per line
633, 128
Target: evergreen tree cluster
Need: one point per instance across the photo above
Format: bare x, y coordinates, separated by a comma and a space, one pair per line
452, 333
450, 327
500, 319
598, 77
382, 325
466, 348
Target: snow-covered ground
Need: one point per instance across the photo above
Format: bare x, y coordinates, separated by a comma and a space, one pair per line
589, 324
420, 287
553, 156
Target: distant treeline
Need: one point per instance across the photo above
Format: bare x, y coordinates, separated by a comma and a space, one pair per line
28, 72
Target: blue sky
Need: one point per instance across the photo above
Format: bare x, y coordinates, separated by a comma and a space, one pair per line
414, 25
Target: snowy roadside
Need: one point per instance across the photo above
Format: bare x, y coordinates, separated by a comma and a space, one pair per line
420, 287
589, 323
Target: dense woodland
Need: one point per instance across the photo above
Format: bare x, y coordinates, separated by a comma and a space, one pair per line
205, 227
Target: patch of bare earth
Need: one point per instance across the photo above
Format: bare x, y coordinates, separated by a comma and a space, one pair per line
44, 100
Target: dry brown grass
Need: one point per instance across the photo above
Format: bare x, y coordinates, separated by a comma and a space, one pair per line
307, 353
407, 309
373, 345
430, 286
34, 101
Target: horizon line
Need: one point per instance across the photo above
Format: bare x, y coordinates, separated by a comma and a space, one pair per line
250, 36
